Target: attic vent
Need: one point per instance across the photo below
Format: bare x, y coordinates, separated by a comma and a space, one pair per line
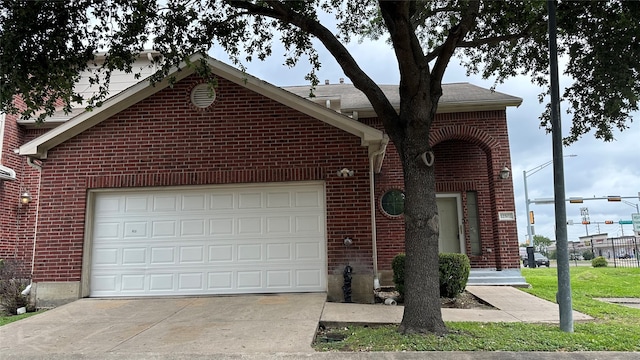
202, 96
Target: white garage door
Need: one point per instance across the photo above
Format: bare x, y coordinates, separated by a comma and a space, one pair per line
215, 240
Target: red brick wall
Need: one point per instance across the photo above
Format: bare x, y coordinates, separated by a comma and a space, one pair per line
470, 149
164, 141
17, 220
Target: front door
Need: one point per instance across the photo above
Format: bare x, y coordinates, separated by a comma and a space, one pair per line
449, 209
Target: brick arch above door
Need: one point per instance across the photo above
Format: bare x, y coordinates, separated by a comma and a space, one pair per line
466, 133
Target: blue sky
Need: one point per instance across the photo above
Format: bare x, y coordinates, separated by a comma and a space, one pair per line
600, 168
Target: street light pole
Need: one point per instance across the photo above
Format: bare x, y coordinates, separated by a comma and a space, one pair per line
525, 175
631, 204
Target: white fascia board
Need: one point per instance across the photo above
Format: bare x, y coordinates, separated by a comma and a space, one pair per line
451, 107
39, 146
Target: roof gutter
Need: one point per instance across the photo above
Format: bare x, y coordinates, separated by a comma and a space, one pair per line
7, 173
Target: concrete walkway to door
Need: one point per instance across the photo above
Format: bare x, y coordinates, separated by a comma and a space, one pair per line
205, 325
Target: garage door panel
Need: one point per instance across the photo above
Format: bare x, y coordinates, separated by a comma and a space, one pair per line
105, 256
221, 253
164, 203
191, 281
107, 230
220, 281
221, 227
249, 280
250, 200
132, 283
161, 282
135, 229
191, 254
192, 227
193, 202
308, 251
249, 252
279, 200
308, 199
104, 283
106, 205
279, 251
308, 278
278, 225
220, 240
134, 256
164, 228
221, 202
162, 255
308, 224
136, 204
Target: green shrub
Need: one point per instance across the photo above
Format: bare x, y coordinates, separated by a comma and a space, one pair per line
599, 262
398, 272
454, 273
588, 255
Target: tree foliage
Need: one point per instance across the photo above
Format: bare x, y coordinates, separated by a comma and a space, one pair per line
541, 243
45, 44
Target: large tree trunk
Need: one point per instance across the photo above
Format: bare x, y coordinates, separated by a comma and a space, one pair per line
422, 313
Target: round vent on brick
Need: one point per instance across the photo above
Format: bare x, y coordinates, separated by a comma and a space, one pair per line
202, 96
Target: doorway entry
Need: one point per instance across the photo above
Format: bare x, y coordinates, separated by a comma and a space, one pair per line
451, 238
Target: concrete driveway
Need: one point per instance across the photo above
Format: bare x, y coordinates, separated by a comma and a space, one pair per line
194, 325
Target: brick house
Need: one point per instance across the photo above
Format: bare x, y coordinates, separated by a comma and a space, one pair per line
252, 188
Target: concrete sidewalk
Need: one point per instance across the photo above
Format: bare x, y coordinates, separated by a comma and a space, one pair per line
246, 327
512, 305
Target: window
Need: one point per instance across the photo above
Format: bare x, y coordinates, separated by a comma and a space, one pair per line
392, 202
474, 222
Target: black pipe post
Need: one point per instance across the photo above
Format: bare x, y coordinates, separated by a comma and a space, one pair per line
564, 277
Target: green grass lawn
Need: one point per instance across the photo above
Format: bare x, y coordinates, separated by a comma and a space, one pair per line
4, 320
615, 328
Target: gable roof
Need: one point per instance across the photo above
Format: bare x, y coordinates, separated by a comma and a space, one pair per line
456, 97
38, 147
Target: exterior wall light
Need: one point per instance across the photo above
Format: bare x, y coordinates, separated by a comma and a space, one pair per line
504, 173
345, 172
25, 198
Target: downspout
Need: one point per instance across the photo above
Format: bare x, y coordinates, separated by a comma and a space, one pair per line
35, 225
374, 238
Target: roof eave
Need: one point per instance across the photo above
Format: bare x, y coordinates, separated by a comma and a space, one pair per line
448, 107
39, 146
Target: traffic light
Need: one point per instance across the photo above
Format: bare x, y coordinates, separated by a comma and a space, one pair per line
608, 221
585, 222
531, 219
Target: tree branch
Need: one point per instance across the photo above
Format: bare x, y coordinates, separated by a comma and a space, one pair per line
279, 11
456, 35
406, 45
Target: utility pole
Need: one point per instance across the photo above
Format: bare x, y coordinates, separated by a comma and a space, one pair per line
585, 219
